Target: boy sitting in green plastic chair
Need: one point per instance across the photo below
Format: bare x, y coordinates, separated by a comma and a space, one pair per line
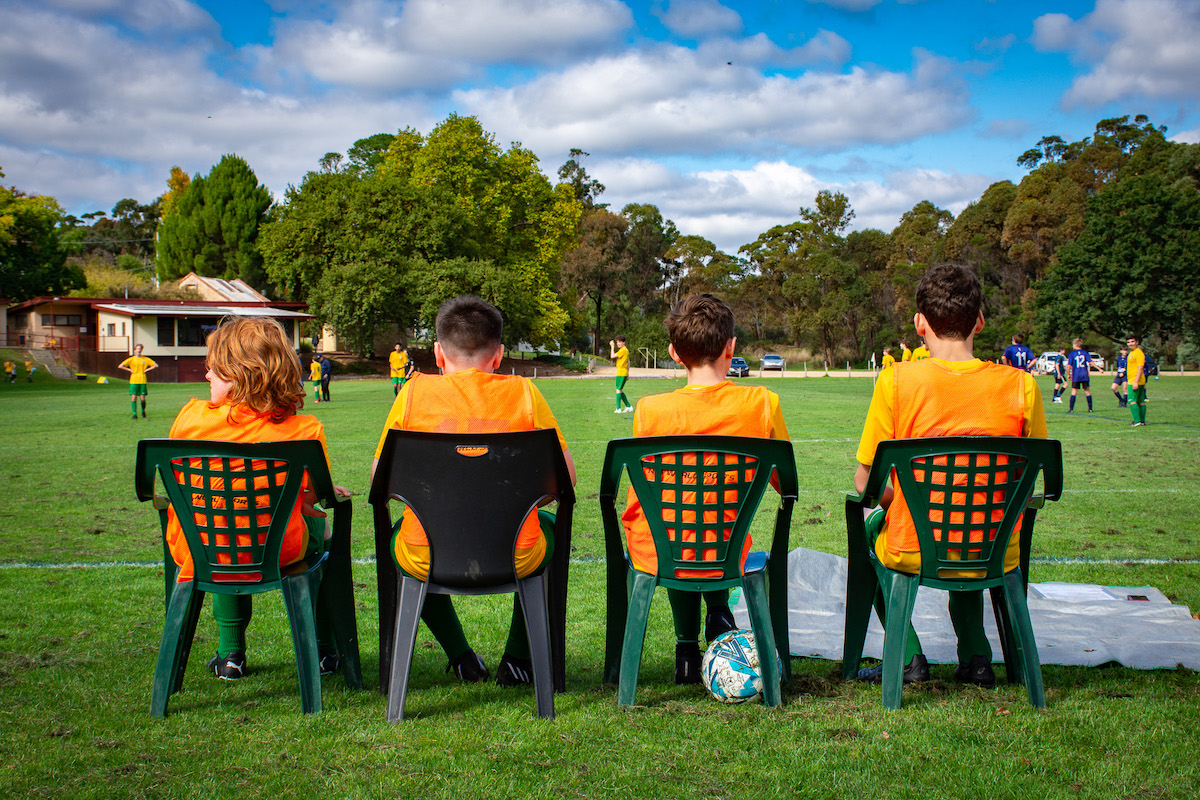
951, 393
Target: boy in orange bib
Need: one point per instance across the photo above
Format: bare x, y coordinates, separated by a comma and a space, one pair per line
950, 393
702, 340
469, 397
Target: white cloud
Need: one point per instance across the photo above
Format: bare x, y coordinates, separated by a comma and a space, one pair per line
1135, 49
377, 45
1187, 137
697, 19
732, 207
673, 100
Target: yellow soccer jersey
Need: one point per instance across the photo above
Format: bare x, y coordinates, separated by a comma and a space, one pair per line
622, 361
138, 366
398, 361
314, 370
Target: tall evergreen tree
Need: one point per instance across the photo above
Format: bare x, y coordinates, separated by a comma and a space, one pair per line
213, 227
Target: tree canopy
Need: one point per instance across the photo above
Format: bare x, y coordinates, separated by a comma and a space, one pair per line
32, 261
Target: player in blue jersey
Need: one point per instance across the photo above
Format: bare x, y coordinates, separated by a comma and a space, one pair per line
1118, 384
1018, 355
1060, 374
1079, 361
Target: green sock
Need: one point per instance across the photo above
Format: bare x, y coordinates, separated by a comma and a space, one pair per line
232, 612
966, 613
133, 406
517, 645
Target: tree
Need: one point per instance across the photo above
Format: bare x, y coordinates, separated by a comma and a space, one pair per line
32, 263
585, 188
595, 268
694, 264
647, 243
1133, 269
821, 291
177, 184
368, 154
213, 229
356, 298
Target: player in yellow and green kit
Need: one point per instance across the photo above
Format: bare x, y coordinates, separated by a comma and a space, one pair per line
620, 354
137, 365
398, 361
314, 375
1135, 373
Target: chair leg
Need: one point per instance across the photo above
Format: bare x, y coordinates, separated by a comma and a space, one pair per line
336, 596
1008, 645
777, 593
175, 646
769, 666
1026, 644
409, 602
300, 601
901, 599
635, 634
619, 582
532, 593
862, 586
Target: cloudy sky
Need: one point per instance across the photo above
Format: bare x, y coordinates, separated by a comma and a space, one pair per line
727, 115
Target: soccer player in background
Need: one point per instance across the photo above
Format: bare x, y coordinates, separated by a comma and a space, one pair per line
314, 375
1119, 378
619, 353
1135, 372
1060, 374
888, 359
137, 366
1018, 355
398, 361
1079, 361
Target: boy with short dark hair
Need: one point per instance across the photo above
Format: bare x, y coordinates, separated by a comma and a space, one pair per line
469, 397
1018, 355
620, 356
951, 393
1119, 378
702, 340
1060, 374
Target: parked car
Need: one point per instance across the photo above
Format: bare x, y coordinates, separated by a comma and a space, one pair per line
738, 368
772, 362
1045, 362
1098, 362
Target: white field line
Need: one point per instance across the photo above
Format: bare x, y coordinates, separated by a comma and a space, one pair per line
1058, 560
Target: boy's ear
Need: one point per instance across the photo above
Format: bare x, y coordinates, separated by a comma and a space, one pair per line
979, 323
921, 324
730, 346
674, 356
497, 357
439, 358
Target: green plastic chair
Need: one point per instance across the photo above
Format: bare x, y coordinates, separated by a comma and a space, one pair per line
744, 466
187, 469
1003, 472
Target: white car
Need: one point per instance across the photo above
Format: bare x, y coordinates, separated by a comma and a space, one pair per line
1044, 365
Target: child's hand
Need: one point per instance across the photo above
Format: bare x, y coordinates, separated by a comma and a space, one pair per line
342, 491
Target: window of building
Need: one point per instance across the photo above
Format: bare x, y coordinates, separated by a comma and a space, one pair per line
193, 332
166, 331
62, 320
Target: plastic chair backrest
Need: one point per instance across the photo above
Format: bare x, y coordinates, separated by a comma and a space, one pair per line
219, 487
699, 530
471, 493
966, 489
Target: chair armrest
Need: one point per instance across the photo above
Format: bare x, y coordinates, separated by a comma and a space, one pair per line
1036, 501
161, 503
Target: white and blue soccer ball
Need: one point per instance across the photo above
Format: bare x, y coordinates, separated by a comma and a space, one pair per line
730, 668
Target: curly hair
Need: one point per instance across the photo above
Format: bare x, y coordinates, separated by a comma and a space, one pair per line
254, 354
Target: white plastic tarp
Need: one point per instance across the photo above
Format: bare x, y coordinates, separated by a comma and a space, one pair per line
1081, 624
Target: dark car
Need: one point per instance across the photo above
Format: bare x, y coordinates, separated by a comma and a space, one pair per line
772, 362
738, 368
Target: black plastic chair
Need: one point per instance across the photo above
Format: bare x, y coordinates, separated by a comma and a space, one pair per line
472, 492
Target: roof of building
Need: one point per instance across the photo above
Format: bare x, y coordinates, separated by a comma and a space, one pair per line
198, 310
234, 291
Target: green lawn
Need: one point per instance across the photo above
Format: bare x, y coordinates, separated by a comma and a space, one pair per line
81, 615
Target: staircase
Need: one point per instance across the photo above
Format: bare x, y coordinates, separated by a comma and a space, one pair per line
45, 359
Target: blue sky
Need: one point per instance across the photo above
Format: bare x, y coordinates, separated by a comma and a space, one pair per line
728, 116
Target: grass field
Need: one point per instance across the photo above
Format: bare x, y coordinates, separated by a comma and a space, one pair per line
81, 616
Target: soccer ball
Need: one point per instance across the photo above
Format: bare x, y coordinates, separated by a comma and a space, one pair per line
730, 668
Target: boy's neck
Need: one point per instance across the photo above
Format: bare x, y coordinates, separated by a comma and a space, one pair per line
950, 349
708, 375
450, 362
